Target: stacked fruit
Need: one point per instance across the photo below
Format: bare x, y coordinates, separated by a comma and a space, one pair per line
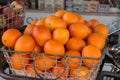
10, 15
65, 43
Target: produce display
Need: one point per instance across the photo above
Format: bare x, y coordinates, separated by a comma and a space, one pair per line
11, 16
61, 46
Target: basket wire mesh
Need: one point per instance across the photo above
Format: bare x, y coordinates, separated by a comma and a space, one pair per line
46, 71
11, 19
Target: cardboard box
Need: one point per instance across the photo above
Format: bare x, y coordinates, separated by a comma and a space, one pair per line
59, 4
41, 4
86, 6
94, 6
103, 8
91, 6
49, 5
78, 5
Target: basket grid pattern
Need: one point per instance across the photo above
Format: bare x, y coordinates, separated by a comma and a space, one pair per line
47, 73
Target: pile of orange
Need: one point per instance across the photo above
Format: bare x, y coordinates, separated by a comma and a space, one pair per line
52, 37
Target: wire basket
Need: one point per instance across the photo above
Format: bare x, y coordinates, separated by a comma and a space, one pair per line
11, 18
40, 67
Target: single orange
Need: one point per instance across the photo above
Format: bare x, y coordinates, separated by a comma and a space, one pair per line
97, 40
25, 43
61, 34
54, 47
79, 30
60, 13
72, 59
70, 18
93, 23
41, 34
40, 22
10, 36
91, 52
53, 22
103, 29
29, 29
75, 43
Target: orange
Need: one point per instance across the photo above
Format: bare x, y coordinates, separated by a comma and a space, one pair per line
53, 22
81, 19
36, 49
88, 23
19, 61
97, 40
103, 29
93, 23
25, 43
91, 52
60, 13
44, 63
72, 59
40, 22
58, 70
30, 71
41, 34
61, 35
70, 18
55, 48
10, 36
80, 73
33, 22
79, 30
75, 43
29, 29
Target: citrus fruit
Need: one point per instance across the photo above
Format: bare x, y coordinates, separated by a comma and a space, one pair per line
19, 61
58, 70
55, 48
61, 35
70, 18
10, 36
72, 59
40, 22
25, 43
44, 63
79, 30
103, 29
28, 30
60, 13
53, 22
91, 52
75, 43
97, 40
41, 34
